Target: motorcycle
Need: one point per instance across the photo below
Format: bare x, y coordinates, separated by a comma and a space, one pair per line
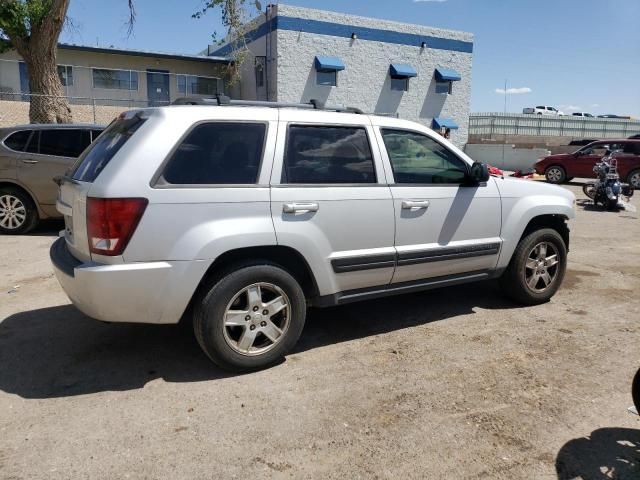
608, 188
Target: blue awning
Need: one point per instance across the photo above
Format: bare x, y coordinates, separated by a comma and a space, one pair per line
402, 70
447, 75
439, 123
328, 64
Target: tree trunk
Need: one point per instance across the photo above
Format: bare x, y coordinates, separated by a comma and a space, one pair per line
48, 104
39, 51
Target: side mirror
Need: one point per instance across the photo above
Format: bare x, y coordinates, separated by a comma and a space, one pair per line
479, 172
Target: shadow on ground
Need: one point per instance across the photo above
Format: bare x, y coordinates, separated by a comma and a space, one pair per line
59, 352
608, 453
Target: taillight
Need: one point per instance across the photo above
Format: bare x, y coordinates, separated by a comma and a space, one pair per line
111, 223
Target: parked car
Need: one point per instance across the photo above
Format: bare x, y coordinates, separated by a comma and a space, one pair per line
564, 167
581, 114
239, 217
635, 137
582, 142
542, 110
30, 157
611, 115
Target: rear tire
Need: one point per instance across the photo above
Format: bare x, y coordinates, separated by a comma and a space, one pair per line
18, 212
250, 316
532, 277
555, 174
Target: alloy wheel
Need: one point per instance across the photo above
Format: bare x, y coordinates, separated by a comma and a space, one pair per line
554, 174
541, 268
256, 319
13, 213
634, 180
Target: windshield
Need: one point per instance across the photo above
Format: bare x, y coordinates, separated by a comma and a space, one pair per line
100, 152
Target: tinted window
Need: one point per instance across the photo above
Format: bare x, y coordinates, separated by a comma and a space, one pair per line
95, 134
34, 144
632, 148
100, 153
416, 158
328, 155
444, 87
17, 141
327, 78
115, 79
400, 84
218, 153
64, 142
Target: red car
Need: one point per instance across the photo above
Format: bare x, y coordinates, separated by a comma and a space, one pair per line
563, 167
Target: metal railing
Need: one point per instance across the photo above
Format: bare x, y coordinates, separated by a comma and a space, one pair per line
489, 124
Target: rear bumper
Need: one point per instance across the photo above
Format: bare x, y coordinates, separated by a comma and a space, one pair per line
146, 292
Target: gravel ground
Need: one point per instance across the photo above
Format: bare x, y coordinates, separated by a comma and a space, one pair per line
453, 383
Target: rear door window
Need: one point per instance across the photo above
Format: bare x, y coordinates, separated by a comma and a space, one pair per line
217, 153
100, 153
64, 142
18, 140
328, 155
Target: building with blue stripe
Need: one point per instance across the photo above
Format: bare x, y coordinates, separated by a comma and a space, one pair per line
412, 71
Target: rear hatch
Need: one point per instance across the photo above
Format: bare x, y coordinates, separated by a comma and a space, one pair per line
76, 183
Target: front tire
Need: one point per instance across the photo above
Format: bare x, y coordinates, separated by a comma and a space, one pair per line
555, 174
249, 317
537, 268
18, 213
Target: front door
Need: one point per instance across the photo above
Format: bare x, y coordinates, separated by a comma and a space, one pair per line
158, 87
330, 202
444, 227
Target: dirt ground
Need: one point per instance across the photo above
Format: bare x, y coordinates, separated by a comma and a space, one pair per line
454, 383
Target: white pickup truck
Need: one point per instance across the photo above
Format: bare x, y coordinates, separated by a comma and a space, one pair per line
542, 110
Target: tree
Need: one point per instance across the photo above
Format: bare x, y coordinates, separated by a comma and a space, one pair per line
32, 27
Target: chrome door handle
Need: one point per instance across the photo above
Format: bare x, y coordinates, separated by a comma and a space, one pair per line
409, 204
26, 160
300, 207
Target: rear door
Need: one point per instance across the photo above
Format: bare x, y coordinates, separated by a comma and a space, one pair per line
330, 200
49, 154
444, 227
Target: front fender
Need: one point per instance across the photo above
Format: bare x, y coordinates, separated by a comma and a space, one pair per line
517, 213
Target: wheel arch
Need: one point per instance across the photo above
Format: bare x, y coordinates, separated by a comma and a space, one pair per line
17, 185
286, 257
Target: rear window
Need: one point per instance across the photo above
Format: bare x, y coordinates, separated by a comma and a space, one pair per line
17, 141
100, 153
217, 153
64, 142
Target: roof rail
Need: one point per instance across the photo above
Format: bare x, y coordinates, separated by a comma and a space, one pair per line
223, 100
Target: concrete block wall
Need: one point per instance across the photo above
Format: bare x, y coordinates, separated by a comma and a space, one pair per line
365, 83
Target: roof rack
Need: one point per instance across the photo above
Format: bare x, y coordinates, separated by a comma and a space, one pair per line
223, 100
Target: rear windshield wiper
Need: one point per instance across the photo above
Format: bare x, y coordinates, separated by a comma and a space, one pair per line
60, 179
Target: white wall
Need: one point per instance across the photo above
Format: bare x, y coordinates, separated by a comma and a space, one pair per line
514, 158
365, 81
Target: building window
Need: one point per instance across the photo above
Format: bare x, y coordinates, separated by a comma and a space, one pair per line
444, 87
329, 78
400, 84
65, 72
115, 79
192, 85
260, 64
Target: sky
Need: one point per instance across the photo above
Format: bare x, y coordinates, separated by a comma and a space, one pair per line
576, 55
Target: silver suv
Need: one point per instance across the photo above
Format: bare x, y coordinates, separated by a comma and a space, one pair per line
240, 217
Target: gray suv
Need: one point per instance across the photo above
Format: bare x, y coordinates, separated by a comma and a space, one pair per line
239, 217
30, 157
